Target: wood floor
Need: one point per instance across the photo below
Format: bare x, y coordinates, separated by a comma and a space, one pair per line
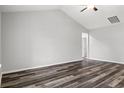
80, 74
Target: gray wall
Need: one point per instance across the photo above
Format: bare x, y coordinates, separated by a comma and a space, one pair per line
0, 40
108, 43
36, 39
0, 49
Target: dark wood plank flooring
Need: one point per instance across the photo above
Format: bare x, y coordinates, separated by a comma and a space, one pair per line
80, 74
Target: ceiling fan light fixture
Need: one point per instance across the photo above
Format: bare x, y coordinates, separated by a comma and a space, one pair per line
90, 6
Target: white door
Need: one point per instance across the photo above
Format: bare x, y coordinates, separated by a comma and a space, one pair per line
84, 47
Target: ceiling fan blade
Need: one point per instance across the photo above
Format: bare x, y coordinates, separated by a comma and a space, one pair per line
83, 9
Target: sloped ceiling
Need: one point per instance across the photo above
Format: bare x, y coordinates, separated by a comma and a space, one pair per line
89, 18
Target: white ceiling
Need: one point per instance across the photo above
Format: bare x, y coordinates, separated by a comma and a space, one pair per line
89, 18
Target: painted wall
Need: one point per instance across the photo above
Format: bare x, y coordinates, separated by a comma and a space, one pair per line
108, 43
36, 39
0, 39
0, 49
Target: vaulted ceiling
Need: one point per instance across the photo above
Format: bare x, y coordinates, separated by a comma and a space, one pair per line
89, 18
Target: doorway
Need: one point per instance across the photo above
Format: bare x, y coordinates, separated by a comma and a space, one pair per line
84, 45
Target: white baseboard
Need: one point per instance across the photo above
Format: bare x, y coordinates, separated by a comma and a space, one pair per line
6, 72
111, 61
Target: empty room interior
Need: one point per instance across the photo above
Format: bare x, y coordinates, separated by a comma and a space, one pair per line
61, 46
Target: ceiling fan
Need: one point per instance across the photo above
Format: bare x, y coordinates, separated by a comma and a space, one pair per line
89, 7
